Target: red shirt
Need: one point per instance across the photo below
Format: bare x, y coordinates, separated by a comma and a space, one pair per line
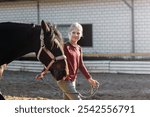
75, 61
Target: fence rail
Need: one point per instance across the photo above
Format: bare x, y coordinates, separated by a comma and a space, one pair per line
131, 67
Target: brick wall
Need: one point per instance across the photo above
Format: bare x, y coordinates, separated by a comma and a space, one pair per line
111, 20
142, 25
18, 11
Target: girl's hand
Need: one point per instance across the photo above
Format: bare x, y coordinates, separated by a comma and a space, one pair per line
92, 82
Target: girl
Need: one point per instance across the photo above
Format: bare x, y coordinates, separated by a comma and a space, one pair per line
73, 53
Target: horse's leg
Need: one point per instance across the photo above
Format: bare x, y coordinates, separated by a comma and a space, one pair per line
1, 96
2, 68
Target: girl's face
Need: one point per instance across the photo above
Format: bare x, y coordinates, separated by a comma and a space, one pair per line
75, 35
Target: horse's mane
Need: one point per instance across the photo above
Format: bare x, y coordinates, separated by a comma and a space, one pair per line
57, 33
61, 40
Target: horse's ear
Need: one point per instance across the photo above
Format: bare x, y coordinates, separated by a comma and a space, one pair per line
44, 26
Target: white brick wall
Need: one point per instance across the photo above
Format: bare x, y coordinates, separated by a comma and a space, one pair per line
111, 20
142, 25
24, 11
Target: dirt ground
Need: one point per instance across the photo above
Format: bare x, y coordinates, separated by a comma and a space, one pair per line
22, 86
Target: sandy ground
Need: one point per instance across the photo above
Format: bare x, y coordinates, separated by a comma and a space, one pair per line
22, 86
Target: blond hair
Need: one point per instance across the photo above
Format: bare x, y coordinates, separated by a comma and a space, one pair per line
74, 26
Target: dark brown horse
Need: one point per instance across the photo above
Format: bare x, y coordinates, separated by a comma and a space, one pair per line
18, 39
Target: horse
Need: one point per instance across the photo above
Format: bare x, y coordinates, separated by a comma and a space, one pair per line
18, 39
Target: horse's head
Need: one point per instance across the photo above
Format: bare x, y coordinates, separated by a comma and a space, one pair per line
51, 53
